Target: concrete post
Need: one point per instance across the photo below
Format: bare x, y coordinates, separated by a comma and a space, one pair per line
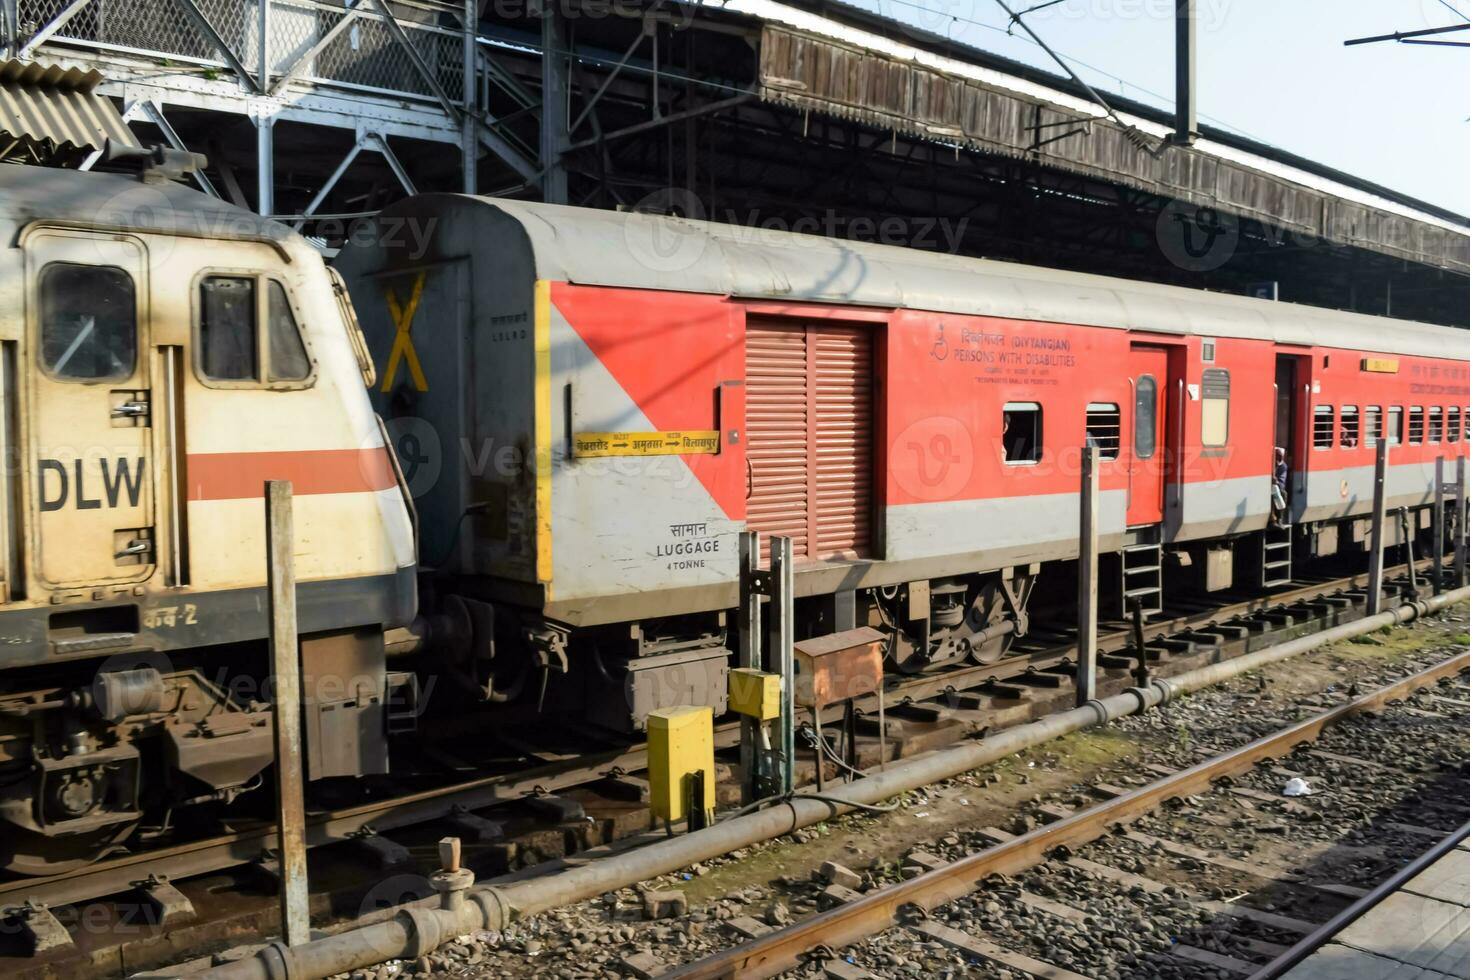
1087, 580
1380, 518
286, 694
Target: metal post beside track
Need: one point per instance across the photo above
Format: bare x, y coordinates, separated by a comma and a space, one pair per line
782, 651
1437, 530
286, 693
749, 655
1380, 518
1460, 514
1087, 581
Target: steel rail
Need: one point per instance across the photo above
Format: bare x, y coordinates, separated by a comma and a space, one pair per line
255, 845
845, 925
1325, 933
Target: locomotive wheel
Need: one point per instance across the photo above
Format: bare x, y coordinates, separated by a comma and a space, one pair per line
32, 855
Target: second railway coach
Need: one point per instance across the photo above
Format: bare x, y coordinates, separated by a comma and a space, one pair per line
589, 405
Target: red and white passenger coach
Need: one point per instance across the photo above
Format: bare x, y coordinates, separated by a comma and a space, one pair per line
589, 405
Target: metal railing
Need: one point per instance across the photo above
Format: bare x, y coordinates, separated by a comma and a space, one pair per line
345, 44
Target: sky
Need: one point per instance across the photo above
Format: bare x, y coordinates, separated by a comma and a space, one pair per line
1274, 70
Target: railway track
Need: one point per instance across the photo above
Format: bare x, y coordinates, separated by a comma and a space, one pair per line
1055, 902
958, 699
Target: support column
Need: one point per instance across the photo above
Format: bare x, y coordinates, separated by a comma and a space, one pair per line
1186, 122
782, 652
748, 655
1380, 517
263, 60
265, 162
554, 94
1436, 529
469, 135
1460, 514
286, 695
1087, 581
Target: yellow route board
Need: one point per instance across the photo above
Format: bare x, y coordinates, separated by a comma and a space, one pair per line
645, 443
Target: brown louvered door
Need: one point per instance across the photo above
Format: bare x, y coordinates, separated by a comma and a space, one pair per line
840, 441
809, 432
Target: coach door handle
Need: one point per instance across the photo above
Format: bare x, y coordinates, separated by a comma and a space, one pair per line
136, 547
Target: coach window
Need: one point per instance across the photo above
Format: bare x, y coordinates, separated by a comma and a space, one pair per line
231, 349
1145, 417
1322, 427
1021, 433
1395, 425
1436, 424
89, 322
1104, 429
1452, 424
1373, 425
1215, 408
1416, 425
1348, 424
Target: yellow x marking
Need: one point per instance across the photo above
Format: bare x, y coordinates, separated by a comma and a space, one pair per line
402, 341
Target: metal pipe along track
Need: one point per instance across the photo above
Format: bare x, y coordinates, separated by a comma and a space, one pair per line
421, 927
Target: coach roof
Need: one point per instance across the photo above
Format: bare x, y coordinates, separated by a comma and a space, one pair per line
613, 248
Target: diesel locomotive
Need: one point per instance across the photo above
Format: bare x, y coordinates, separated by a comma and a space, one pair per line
162, 355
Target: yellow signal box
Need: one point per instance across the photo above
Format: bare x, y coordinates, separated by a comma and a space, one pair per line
681, 762
755, 693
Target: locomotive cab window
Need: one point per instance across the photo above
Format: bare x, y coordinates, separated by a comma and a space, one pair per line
232, 349
1215, 408
1436, 424
1348, 423
1104, 429
1323, 424
1416, 425
89, 322
1021, 433
1373, 429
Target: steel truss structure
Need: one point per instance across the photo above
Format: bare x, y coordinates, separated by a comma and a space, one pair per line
333, 108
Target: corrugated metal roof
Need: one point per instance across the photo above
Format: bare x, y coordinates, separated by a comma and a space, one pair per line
56, 111
610, 248
824, 75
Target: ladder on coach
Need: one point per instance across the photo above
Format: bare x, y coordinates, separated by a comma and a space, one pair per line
1143, 577
1275, 563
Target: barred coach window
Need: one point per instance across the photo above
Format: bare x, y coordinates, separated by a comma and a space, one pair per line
228, 348
1104, 429
89, 322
